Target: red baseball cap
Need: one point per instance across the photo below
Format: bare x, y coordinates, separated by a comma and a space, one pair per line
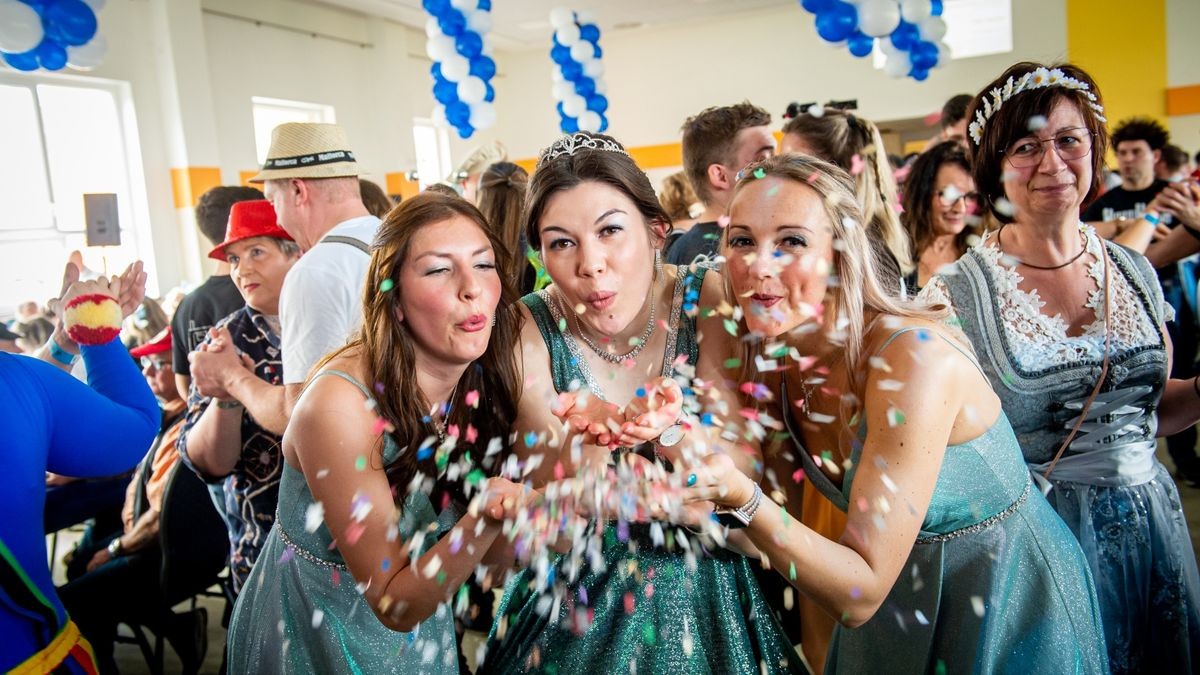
254, 218
157, 345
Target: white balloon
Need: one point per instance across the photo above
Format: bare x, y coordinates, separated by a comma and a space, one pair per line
585, 16
432, 29
567, 35
589, 120
574, 105
480, 22
878, 18
885, 45
944, 55
562, 89
471, 90
487, 48
439, 116
915, 11
594, 68
556, 75
96, 6
561, 16
932, 29
88, 56
583, 51
897, 66
440, 47
20, 27
855, 2
456, 68
483, 115
601, 88
462, 5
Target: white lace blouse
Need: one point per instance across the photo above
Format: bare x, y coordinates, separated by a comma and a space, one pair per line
1039, 341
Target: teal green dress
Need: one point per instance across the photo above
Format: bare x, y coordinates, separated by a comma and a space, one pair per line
995, 583
300, 610
629, 605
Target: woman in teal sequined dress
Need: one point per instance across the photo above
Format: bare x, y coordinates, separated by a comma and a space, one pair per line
607, 347
951, 561
356, 572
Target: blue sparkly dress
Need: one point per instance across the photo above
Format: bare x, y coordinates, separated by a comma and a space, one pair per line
995, 583
629, 605
300, 610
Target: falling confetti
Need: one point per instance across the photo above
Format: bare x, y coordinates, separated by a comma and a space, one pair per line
386, 285
314, 515
895, 416
760, 173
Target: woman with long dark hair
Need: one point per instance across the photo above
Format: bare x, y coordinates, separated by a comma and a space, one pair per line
940, 205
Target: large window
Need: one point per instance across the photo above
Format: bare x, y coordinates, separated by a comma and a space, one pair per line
271, 112
432, 145
64, 137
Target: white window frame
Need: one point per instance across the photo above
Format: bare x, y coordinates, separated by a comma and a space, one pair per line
437, 168
289, 111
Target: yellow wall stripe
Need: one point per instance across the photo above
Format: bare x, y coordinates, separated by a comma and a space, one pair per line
188, 183
1133, 79
398, 184
1183, 100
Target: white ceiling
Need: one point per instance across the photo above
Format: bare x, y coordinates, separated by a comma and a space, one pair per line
524, 24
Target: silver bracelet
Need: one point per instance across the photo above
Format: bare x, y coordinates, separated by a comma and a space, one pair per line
742, 515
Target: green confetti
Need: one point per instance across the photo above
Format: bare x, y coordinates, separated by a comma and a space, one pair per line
441, 578
941, 667
895, 416
792, 570
360, 464
731, 327
648, 635
386, 285
562, 325
733, 363
760, 173
476, 477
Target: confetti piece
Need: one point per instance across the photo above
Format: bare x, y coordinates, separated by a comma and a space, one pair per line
895, 416
629, 603
856, 165
797, 475
890, 385
472, 399
580, 308
792, 570
731, 327
472, 434
314, 515
977, 605
1005, 207
432, 567
723, 221
880, 363
386, 285
760, 173
360, 463
354, 531
1037, 122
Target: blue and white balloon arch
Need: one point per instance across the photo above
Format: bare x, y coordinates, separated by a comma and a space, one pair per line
463, 67
579, 73
51, 34
909, 32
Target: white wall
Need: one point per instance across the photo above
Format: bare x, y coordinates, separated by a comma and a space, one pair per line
1183, 66
658, 77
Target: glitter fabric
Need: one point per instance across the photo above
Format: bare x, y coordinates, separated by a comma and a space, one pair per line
1013, 597
1118, 500
631, 606
300, 611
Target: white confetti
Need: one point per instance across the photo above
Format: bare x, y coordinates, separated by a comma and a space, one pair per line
432, 567
890, 385
314, 515
317, 617
977, 605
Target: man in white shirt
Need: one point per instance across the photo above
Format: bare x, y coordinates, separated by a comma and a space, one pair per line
311, 178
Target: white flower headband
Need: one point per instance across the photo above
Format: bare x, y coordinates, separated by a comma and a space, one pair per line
569, 145
1038, 79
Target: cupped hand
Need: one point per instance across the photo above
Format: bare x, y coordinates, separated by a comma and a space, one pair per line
649, 415
716, 479
597, 421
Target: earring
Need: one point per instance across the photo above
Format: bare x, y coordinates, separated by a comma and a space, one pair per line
657, 263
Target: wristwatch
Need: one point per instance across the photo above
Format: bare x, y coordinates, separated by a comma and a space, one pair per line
671, 435
114, 547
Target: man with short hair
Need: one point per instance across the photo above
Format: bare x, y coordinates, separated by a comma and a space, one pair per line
954, 121
311, 179
717, 144
1173, 165
217, 296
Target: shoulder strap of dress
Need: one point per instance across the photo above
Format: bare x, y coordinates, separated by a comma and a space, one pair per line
345, 376
351, 241
908, 329
538, 309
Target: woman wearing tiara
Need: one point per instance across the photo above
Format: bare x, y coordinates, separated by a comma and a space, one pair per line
606, 348
1069, 330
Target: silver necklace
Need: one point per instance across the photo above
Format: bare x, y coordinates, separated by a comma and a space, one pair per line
632, 353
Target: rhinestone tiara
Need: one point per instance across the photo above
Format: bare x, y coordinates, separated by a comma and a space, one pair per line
573, 143
1039, 78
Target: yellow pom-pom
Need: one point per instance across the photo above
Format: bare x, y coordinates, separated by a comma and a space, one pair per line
92, 319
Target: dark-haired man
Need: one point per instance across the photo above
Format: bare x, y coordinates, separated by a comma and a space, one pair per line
717, 144
954, 121
217, 297
1173, 165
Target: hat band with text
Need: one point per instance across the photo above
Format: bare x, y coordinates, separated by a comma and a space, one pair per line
315, 159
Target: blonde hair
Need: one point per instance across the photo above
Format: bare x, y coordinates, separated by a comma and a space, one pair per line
677, 196
856, 287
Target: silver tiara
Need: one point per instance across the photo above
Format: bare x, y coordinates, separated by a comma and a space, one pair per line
1036, 79
573, 143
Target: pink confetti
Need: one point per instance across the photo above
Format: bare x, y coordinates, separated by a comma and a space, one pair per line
472, 398
559, 471
798, 475
856, 165
354, 531
452, 431
629, 603
472, 433
649, 591
723, 221
380, 426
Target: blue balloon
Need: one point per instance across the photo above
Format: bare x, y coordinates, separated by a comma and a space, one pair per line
26, 61
860, 44
585, 86
69, 22
569, 125
458, 113
436, 71
560, 54
816, 6
483, 67
838, 22
559, 107
572, 71
905, 35
51, 55
935, 7
924, 55
589, 32
445, 91
918, 74
491, 92
436, 7
485, 5
597, 52
469, 44
465, 131
597, 103
452, 23
603, 124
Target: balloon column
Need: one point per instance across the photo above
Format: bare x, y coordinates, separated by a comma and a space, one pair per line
462, 64
578, 86
51, 34
910, 32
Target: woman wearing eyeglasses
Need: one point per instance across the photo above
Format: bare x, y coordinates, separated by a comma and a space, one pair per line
940, 210
1069, 330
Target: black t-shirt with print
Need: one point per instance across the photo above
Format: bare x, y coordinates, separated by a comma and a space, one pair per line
213, 300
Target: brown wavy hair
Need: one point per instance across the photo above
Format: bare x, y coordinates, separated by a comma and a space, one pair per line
502, 190
386, 347
919, 191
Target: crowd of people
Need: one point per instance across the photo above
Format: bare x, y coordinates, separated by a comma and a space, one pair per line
809, 408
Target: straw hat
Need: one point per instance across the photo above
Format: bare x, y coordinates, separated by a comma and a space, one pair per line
248, 219
308, 150
478, 161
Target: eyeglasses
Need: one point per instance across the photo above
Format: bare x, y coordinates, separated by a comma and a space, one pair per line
949, 196
1069, 144
157, 361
